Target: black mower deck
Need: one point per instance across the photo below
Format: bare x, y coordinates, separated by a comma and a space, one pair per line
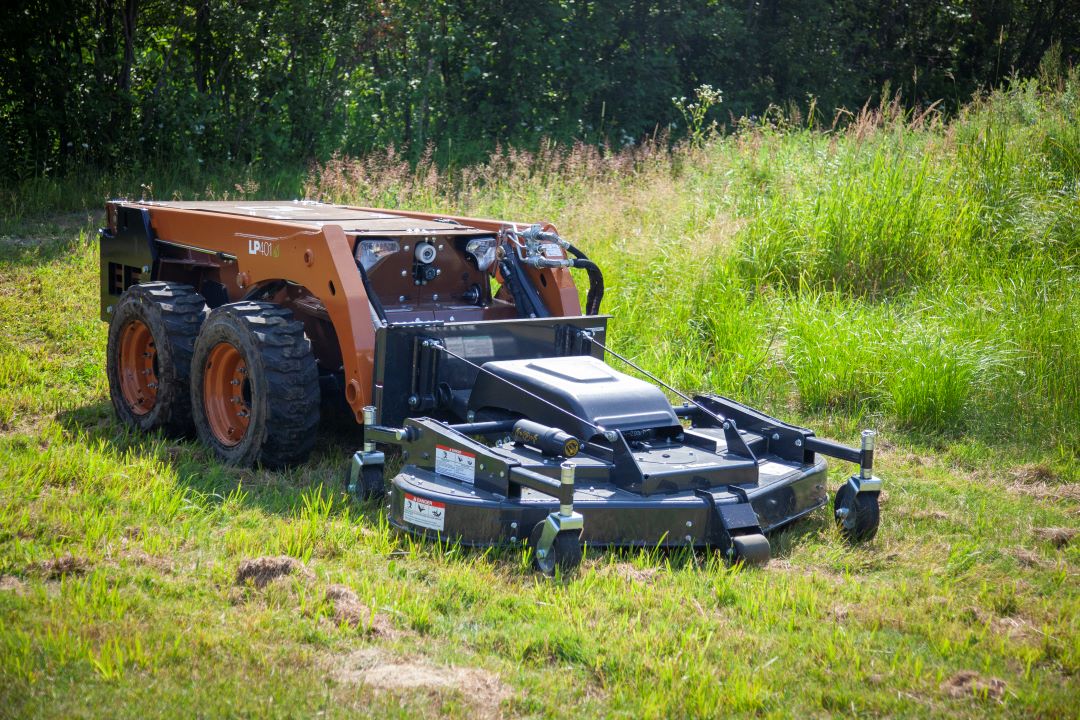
612, 515
558, 448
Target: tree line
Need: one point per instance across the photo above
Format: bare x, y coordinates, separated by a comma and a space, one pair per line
107, 82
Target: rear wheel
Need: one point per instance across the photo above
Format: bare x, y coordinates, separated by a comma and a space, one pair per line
148, 358
255, 386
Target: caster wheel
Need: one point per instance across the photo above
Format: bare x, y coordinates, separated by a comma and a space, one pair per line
856, 514
750, 550
366, 482
565, 553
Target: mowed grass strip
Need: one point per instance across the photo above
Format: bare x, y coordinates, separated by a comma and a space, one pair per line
914, 276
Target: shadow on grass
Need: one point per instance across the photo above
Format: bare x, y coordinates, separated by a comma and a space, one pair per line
39, 242
276, 491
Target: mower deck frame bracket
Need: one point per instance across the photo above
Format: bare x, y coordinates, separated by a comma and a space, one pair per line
865, 485
730, 520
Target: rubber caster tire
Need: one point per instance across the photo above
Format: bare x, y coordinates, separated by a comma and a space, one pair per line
255, 386
148, 358
750, 550
857, 514
565, 554
369, 483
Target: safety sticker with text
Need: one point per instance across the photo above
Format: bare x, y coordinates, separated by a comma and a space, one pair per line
455, 463
425, 513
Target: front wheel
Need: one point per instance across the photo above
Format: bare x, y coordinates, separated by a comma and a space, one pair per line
857, 514
365, 482
255, 386
565, 552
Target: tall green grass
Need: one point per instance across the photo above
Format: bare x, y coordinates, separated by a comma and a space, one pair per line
913, 271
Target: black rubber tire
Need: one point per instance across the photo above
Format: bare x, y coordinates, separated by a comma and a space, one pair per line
284, 384
750, 550
566, 554
861, 523
173, 313
371, 485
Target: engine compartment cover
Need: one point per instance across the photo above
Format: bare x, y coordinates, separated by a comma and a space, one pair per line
589, 392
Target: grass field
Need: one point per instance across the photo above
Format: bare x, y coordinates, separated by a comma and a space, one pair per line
905, 273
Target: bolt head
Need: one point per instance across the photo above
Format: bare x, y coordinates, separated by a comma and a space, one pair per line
776, 436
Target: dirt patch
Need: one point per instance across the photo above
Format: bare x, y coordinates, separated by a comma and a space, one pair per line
260, 572
1056, 536
63, 566
783, 565
482, 690
349, 610
968, 684
1040, 481
935, 515
1068, 492
11, 583
1028, 558
635, 575
141, 557
1014, 628
1033, 474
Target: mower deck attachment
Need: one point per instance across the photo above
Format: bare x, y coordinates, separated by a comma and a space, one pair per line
564, 449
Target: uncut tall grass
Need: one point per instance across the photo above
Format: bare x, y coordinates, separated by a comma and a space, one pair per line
919, 273
902, 271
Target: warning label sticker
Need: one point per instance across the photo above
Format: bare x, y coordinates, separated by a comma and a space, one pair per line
425, 513
455, 463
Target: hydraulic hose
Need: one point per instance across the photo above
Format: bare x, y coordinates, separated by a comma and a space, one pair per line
596, 280
376, 305
526, 299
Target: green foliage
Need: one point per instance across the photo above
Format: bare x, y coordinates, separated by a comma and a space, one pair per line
114, 84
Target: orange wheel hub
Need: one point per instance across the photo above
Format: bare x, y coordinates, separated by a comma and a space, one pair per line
227, 394
138, 367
